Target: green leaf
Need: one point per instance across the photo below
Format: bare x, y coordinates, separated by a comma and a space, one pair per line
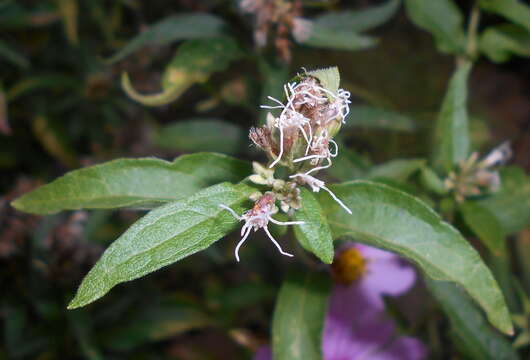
430, 180
511, 204
499, 43
360, 20
471, 330
165, 235
202, 134
325, 36
484, 224
451, 138
329, 78
315, 234
443, 19
177, 27
377, 118
158, 323
514, 10
299, 317
399, 169
393, 220
193, 63
132, 182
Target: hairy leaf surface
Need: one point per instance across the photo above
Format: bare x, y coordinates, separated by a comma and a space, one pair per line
143, 183
163, 236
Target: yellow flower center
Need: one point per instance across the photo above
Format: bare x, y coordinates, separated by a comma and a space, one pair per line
348, 266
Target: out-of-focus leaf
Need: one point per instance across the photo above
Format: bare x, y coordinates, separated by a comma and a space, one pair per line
51, 81
451, 138
484, 224
324, 36
165, 235
314, 235
499, 43
299, 317
69, 10
82, 329
360, 20
202, 134
177, 27
430, 179
14, 57
329, 78
193, 63
443, 19
511, 205
377, 118
274, 75
471, 330
400, 169
392, 220
53, 141
157, 324
514, 10
133, 182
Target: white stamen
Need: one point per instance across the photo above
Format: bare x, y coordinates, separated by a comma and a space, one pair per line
275, 242
316, 185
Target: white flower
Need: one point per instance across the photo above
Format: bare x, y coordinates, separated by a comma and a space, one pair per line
258, 218
316, 184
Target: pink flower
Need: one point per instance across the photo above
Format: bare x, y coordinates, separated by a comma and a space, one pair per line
356, 325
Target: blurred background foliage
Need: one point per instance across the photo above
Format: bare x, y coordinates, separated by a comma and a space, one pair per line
82, 82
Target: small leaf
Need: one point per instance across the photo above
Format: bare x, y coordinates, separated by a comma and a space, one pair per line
314, 235
399, 169
299, 317
451, 138
194, 62
443, 19
499, 43
392, 220
430, 179
174, 28
132, 182
511, 204
165, 235
202, 134
360, 20
471, 330
371, 117
329, 78
514, 10
484, 224
325, 36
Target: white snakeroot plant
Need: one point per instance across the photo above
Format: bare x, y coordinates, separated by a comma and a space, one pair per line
300, 139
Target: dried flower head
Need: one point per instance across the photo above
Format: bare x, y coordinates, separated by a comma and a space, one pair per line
280, 17
473, 177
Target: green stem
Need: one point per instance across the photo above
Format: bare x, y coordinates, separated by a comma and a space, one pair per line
472, 30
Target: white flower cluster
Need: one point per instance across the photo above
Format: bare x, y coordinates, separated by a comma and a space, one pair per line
300, 137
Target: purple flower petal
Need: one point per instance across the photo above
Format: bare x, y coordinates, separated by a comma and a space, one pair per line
403, 348
263, 353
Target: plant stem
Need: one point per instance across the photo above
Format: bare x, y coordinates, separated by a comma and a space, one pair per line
472, 29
